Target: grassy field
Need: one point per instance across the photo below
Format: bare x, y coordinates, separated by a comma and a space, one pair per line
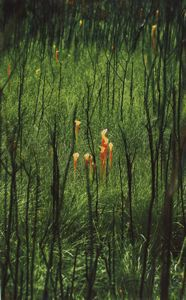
112, 224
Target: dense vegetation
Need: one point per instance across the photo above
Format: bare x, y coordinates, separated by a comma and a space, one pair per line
111, 224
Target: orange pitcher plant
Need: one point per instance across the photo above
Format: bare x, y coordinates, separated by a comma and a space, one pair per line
77, 127
103, 159
104, 139
103, 151
87, 159
75, 157
153, 36
157, 15
91, 164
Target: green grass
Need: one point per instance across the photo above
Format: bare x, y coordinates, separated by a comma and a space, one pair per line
48, 93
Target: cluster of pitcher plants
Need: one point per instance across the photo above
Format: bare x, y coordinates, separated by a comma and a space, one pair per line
106, 153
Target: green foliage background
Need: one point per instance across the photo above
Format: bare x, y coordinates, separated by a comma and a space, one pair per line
90, 254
